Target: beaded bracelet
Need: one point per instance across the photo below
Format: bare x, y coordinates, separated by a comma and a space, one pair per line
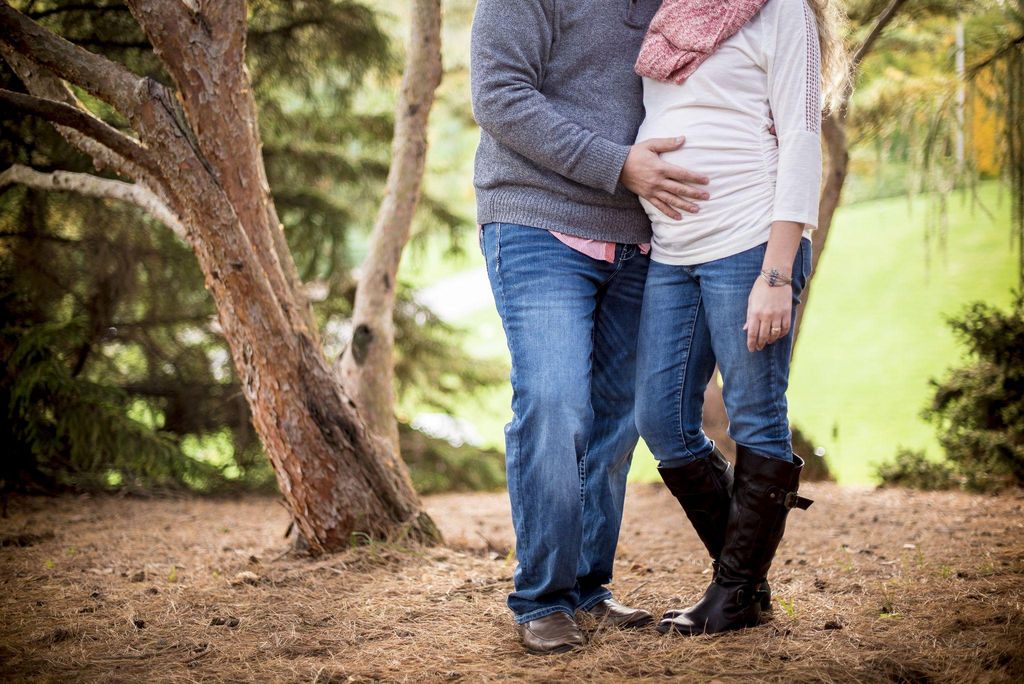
776, 279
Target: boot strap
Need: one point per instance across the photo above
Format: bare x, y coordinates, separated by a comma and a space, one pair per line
746, 596
794, 500
789, 500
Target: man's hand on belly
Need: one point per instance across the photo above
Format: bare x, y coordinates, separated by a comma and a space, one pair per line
667, 186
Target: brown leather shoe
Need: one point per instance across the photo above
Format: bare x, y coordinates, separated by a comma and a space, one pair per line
614, 613
555, 633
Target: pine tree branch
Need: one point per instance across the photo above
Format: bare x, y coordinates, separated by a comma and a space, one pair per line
977, 68
95, 186
62, 114
881, 22
115, 44
42, 83
111, 82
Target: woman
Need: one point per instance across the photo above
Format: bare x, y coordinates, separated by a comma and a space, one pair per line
743, 80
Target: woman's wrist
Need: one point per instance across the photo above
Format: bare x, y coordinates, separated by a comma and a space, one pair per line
776, 278
783, 269
783, 244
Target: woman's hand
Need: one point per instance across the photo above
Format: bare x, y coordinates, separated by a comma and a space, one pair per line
769, 312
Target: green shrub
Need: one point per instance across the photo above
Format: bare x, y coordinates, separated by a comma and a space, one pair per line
978, 409
911, 468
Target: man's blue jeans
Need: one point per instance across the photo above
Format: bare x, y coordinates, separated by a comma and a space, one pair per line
571, 323
693, 317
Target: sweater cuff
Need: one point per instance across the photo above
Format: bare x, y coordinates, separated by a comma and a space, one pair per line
601, 164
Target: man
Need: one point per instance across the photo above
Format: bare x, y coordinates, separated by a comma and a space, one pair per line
564, 236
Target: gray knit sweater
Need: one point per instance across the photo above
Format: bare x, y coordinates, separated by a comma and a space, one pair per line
559, 105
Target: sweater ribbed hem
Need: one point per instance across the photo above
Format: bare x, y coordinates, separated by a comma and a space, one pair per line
601, 164
541, 209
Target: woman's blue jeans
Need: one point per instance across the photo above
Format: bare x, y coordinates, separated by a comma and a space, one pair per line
693, 318
571, 322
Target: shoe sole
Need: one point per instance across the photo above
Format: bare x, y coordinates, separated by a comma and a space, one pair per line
554, 651
636, 624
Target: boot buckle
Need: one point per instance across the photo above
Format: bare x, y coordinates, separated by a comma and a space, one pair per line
794, 500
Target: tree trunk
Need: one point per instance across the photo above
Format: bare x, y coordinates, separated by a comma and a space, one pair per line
833, 130
367, 365
201, 155
716, 420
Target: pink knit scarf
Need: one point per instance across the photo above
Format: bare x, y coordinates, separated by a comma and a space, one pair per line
684, 33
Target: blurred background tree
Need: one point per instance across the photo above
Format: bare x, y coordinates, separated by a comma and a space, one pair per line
116, 374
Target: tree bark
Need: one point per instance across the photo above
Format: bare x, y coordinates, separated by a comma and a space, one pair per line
338, 478
367, 365
833, 130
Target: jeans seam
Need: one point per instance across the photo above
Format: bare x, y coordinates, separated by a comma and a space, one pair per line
497, 253
582, 467
682, 376
514, 431
780, 417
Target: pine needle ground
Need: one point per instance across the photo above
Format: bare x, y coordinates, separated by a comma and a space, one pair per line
871, 585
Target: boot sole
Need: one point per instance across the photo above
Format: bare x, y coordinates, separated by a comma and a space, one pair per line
766, 607
683, 631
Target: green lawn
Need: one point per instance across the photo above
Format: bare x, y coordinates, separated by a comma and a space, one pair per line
873, 336
875, 329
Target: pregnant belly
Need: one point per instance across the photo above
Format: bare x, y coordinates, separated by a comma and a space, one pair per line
742, 192
736, 175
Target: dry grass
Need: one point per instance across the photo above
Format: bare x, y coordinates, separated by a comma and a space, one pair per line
871, 585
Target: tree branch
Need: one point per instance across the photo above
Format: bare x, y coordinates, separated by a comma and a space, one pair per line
107, 80
72, 117
883, 20
204, 52
975, 69
95, 186
367, 365
173, 26
44, 84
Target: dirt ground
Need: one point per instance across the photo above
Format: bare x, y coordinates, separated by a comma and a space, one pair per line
871, 586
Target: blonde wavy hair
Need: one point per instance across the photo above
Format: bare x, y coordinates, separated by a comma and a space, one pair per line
836, 70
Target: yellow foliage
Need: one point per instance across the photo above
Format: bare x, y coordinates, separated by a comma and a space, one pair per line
984, 127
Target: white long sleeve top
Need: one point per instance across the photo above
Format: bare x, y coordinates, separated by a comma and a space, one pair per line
768, 72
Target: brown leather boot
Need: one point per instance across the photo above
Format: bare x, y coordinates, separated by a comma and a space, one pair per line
614, 613
555, 633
